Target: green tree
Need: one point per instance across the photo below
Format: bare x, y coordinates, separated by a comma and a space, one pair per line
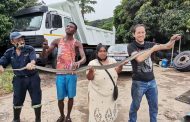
123, 19
106, 24
7, 9
162, 18
86, 7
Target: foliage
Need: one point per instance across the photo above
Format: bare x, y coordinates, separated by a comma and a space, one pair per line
7, 9
6, 82
162, 18
106, 24
85, 6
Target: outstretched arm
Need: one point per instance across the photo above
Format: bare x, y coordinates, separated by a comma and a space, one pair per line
1, 69
156, 47
5, 60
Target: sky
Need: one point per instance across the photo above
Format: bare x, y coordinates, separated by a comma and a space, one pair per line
103, 8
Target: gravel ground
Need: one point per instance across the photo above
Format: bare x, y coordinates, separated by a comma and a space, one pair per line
171, 84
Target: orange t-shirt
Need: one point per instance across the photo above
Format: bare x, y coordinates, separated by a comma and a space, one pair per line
66, 54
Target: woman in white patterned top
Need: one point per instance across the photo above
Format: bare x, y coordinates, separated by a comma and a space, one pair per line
102, 106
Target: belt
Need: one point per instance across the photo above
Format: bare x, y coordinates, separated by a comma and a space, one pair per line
24, 76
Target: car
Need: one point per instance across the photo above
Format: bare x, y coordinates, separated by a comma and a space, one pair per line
119, 52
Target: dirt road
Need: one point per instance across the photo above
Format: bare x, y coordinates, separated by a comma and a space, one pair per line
170, 85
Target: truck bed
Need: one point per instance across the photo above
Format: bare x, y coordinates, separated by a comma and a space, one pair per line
88, 35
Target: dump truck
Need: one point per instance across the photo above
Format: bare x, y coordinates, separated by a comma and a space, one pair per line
47, 22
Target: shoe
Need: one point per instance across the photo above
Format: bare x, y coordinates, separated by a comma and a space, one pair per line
61, 119
18, 120
68, 120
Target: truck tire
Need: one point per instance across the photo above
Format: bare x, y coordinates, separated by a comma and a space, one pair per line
41, 62
54, 58
182, 61
90, 55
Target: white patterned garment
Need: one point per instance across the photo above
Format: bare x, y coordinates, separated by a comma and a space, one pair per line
102, 107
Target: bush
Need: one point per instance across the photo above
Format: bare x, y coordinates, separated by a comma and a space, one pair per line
6, 82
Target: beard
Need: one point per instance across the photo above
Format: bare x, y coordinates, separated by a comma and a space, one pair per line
19, 45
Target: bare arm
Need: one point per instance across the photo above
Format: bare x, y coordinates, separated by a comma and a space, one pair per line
90, 74
33, 62
119, 69
155, 48
1, 69
31, 65
48, 49
82, 54
143, 56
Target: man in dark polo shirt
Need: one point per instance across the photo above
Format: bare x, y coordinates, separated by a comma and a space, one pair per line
19, 56
143, 81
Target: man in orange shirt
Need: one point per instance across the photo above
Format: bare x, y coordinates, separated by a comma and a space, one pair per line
66, 83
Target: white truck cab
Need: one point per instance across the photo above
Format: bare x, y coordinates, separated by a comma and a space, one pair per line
48, 22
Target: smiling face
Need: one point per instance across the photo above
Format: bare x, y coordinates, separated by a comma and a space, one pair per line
139, 34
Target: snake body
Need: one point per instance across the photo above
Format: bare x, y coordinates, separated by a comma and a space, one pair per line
85, 67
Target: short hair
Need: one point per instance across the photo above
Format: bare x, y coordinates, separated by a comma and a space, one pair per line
74, 25
133, 30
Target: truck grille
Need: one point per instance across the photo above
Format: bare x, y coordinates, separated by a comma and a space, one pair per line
35, 41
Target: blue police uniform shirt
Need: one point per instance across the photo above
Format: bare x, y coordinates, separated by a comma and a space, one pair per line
27, 55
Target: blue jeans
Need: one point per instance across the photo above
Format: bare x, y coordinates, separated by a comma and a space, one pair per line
139, 88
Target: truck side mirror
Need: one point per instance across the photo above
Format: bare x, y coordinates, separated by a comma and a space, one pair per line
57, 21
48, 21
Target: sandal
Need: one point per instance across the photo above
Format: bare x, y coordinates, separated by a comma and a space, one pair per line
68, 120
61, 119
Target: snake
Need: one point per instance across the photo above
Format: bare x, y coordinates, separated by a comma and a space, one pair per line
81, 69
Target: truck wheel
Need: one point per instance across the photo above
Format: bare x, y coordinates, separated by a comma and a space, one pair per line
54, 58
90, 55
41, 62
182, 61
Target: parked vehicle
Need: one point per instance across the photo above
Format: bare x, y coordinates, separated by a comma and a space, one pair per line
40, 23
119, 52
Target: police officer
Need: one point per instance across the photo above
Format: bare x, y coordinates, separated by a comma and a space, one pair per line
19, 56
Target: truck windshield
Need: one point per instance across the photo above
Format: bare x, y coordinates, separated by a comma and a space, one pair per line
31, 22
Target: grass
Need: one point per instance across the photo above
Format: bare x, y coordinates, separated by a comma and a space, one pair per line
6, 82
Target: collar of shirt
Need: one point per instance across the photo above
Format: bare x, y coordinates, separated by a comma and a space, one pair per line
141, 46
24, 49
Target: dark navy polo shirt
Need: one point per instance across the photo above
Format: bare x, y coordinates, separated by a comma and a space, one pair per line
27, 55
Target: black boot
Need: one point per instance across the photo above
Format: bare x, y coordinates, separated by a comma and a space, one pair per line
38, 114
16, 112
187, 118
